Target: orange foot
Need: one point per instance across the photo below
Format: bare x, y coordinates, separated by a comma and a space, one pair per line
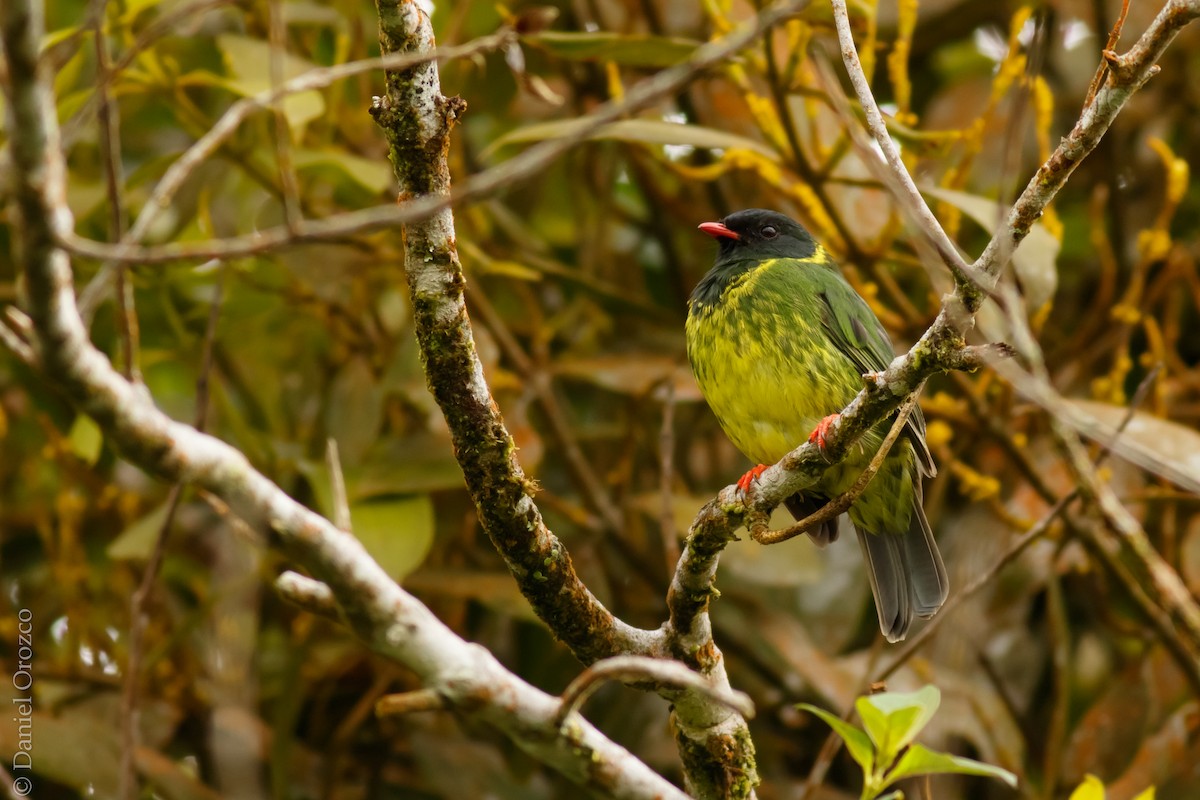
750, 477
822, 430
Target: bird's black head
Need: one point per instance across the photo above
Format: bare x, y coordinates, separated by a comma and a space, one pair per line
757, 233
747, 238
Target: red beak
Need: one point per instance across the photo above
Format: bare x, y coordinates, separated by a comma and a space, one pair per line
718, 231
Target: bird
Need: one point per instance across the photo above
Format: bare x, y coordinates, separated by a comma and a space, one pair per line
779, 341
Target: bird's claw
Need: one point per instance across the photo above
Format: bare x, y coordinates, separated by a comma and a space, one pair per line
822, 430
750, 477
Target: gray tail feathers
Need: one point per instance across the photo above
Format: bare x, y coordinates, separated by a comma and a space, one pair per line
800, 507
907, 575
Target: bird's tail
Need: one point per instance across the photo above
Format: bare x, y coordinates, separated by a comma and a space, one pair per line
907, 575
800, 507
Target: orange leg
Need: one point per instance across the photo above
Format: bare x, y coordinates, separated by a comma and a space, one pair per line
750, 477
822, 430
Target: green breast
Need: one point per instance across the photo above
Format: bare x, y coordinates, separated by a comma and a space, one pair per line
763, 360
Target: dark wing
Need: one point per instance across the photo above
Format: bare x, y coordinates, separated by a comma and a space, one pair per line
859, 335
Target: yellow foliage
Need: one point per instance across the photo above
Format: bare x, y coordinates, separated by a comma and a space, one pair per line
1043, 109
897, 62
1092, 788
612, 73
1153, 244
763, 111
1125, 313
974, 484
943, 403
937, 433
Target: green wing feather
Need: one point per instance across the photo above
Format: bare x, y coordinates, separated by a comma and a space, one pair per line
858, 334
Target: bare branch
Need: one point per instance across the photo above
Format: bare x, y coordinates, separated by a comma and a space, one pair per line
304, 592
395, 705
911, 196
639, 669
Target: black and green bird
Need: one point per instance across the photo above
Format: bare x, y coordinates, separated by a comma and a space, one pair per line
779, 342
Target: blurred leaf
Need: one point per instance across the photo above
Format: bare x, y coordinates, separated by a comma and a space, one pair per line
138, 540
893, 719
85, 439
1035, 262
1092, 788
1159, 445
354, 411
857, 742
920, 760
170, 780
632, 374
1108, 734
52, 38
510, 269
250, 62
79, 751
417, 463
630, 50
397, 532
371, 174
131, 8
642, 131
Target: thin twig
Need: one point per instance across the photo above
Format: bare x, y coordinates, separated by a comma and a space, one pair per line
395, 705
160, 27
110, 149
139, 602
666, 477
525, 165
637, 669
1114, 36
11, 339
138, 609
839, 504
203, 148
911, 196
290, 191
1015, 549
311, 595
337, 483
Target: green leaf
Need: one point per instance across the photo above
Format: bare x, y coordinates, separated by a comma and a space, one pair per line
642, 131
249, 61
920, 760
138, 540
370, 174
86, 439
856, 741
629, 50
396, 532
893, 719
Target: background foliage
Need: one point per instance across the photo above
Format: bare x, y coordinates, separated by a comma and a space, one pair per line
578, 283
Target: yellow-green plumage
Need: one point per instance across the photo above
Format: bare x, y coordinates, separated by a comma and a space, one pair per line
778, 341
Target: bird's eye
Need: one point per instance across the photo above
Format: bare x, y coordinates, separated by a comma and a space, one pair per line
769, 231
